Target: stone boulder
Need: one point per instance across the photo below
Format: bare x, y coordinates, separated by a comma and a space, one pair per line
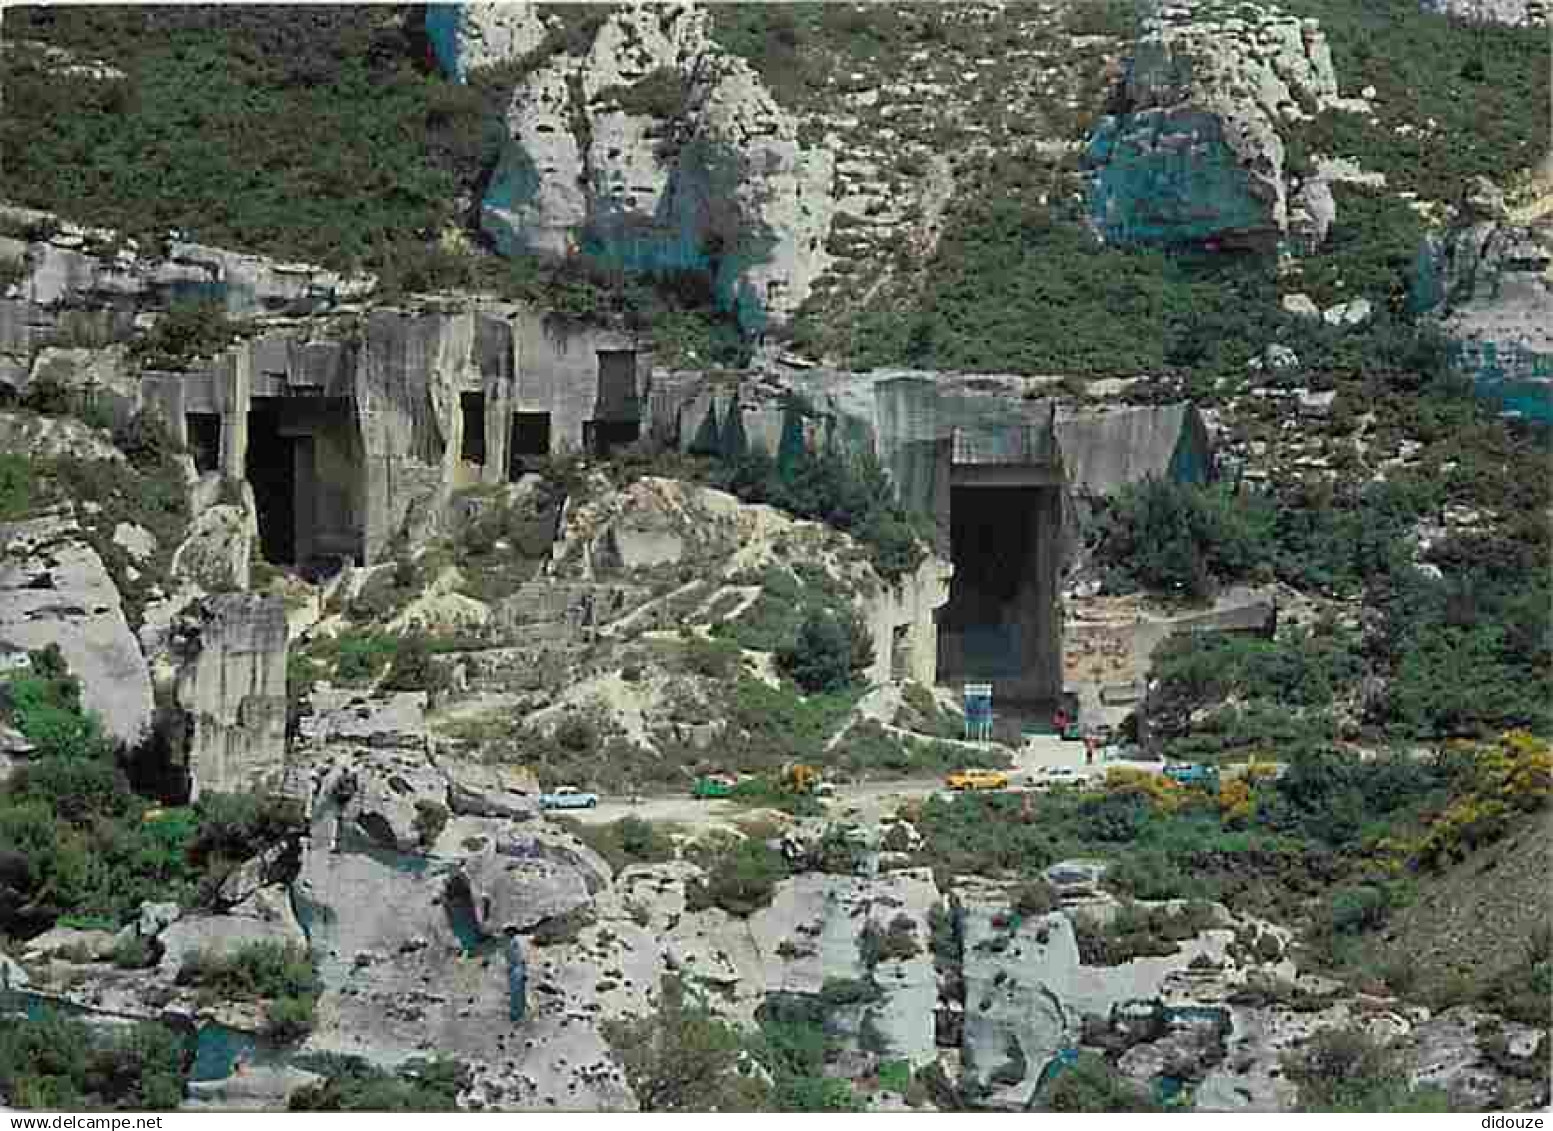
50, 437
54, 589
258, 1087
389, 796
221, 935
156, 918
513, 896
1449, 1051
1486, 282
71, 944
1196, 153
217, 553
477, 789
396, 721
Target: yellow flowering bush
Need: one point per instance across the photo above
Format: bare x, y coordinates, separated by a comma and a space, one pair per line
1162, 793
1513, 774
1237, 804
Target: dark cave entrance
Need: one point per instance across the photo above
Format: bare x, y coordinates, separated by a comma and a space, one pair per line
602, 436
472, 444
1000, 623
272, 473
530, 439
204, 429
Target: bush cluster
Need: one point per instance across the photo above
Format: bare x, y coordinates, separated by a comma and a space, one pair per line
54, 1062
741, 882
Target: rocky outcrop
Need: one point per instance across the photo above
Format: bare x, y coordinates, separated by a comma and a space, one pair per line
481, 790
649, 148
218, 552
406, 974
223, 935
1489, 283
1196, 153
232, 687
54, 589
1512, 13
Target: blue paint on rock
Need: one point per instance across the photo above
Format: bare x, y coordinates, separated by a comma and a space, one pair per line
671, 241
517, 981
1169, 178
442, 22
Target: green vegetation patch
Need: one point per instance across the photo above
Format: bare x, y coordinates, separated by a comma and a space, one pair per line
280, 975
54, 1062
351, 1084
256, 129
1349, 1070
1454, 100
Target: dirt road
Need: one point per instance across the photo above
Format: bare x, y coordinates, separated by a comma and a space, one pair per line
861, 801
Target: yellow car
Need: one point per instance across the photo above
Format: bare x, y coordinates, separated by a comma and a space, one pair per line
977, 779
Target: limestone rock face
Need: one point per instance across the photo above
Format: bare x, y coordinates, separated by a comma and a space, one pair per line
1514, 13
232, 685
54, 589
49, 437
647, 176
403, 978
1489, 283
479, 790
1447, 1051
466, 36
72, 944
1196, 154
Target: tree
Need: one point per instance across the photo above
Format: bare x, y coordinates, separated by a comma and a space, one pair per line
682, 1058
829, 652
1348, 1070
1092, 1085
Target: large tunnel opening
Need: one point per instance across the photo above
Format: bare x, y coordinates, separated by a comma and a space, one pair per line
272, 473
1000, 623
306, 469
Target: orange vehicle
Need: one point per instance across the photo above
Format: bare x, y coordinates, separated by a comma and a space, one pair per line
977, 779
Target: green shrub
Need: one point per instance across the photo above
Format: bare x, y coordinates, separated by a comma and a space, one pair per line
828, 654
359, 659
351, 1084
187, 331
413, 668
683, 1058
1035, 897
1355, 910
741, 882
18, 487
1136, 931
54, 1062
1348, 1070
253, 972
431, 817
132, 953
1092, 1085
1181, 538
662, 93
300, 115
714, 659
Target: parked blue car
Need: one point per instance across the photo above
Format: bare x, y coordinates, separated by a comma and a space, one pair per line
568, 797
1191, 773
